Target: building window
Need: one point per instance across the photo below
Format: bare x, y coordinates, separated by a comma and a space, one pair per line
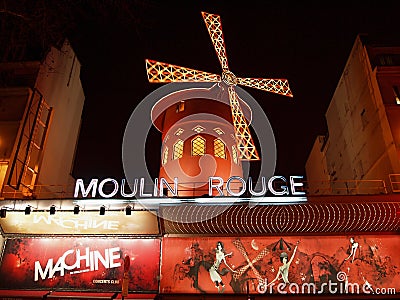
198, 129
219, 148
180, 106
198, 146
219, 131
234, 155
165, 156
178, 149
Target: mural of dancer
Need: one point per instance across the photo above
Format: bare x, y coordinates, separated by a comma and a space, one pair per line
215, 272
262, 264
283, 271
353, 249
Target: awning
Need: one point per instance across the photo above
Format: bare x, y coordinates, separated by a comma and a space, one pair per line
138, 296
91, 295
10, 294
81, 295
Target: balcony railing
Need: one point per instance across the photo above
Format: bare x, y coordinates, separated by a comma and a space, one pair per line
38, 192
346, 187
395, 182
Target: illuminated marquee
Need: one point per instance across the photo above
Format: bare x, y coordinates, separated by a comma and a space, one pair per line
76, 223
275, 185
64, 222
79, 264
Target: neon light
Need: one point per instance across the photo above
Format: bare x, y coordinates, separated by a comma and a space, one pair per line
277, 186
75, 223
163, 72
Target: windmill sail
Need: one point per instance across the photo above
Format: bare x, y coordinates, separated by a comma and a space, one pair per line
164, 72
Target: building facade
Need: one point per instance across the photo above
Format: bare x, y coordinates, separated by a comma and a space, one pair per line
361, 148
91, 246
42, 103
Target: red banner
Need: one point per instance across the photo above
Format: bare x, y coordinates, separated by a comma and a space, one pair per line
282, 265
80, 264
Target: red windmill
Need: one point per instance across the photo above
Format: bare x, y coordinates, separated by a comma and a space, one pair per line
238, 116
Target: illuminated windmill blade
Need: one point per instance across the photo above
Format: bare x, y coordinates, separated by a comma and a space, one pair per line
239, 272
243, 269
244, 141
277, 86
214, 26
163, 72
250, 264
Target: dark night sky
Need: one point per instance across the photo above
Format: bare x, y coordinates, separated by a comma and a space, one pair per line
307, 42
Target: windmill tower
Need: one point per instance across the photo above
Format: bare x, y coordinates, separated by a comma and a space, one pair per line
203, 137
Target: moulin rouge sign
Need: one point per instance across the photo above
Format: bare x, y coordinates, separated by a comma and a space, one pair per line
109, 187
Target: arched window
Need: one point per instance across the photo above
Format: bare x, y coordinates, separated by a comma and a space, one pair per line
219, 148
165, 156
178, 149
198, 146
234, 155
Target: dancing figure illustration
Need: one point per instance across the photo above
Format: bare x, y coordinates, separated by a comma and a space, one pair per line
353, 249
283, 271
215, 272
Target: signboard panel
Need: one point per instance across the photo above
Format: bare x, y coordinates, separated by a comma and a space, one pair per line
80, 264
87, 222
367, 264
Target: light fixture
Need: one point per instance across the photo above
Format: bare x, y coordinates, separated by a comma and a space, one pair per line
52, 209
102, 210
76, 209
128, 210
3, 213
28, 210
396, 94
